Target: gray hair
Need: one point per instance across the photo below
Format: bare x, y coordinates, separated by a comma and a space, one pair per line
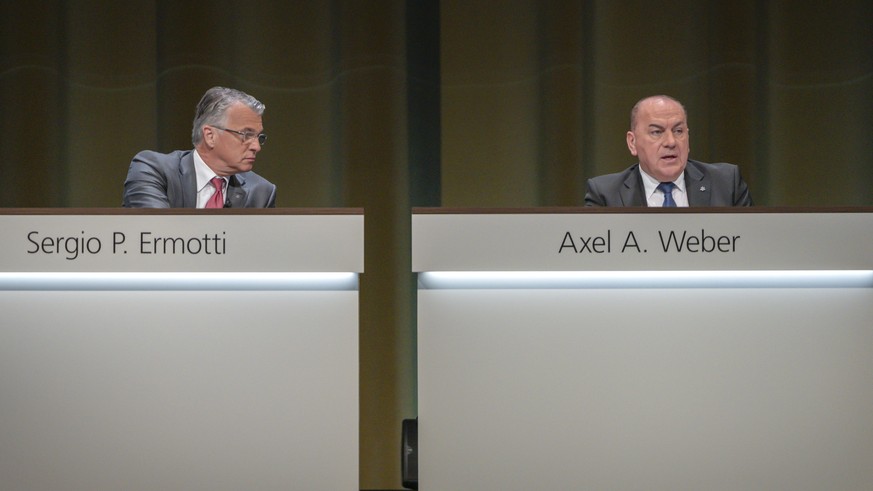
636, 108
212, 109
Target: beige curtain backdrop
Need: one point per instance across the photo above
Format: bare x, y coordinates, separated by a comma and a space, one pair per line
391, 104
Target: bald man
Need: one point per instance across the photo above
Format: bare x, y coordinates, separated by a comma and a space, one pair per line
664, 176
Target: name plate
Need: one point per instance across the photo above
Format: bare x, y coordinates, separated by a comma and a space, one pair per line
641, 241
181, 243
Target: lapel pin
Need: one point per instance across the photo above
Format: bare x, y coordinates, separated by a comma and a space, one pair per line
703, 188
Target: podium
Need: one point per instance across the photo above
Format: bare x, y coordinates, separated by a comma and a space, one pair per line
145, 350
644, 349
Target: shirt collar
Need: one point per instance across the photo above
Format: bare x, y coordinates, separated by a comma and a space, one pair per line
650, 184
203, 172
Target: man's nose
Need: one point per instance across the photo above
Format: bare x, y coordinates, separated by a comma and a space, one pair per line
669, 140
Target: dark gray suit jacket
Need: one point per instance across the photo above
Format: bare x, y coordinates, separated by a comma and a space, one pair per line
706, 185
168, 180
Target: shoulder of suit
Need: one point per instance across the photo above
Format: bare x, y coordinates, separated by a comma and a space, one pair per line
155, 155
252, 179
711, 166
714, 169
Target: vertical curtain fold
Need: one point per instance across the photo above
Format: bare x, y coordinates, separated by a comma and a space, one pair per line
33, 104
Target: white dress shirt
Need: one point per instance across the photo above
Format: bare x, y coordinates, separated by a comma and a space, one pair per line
205, 189
656, 199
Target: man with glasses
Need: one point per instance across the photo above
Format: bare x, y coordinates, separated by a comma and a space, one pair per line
665, 176
228, 133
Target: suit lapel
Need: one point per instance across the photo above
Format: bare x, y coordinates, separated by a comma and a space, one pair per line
632, 191
189, 181
698, 185
236, 193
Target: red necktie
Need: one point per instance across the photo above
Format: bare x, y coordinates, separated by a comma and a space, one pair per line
217, 199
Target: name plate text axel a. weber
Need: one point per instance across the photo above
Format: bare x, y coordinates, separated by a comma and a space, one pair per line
641, 241
189, 243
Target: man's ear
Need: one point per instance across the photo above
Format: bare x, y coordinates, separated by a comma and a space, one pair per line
688, 137
208, 136
632, 143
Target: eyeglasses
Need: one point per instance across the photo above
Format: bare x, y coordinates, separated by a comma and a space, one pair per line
247, 136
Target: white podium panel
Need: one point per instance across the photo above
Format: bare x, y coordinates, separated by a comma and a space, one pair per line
142, 372
633, 382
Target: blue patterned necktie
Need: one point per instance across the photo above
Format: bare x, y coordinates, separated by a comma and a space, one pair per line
667, 189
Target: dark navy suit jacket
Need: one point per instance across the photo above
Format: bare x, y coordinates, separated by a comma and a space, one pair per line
706, 185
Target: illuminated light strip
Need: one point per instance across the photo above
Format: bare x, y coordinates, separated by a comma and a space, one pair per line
644, 279
178, 281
